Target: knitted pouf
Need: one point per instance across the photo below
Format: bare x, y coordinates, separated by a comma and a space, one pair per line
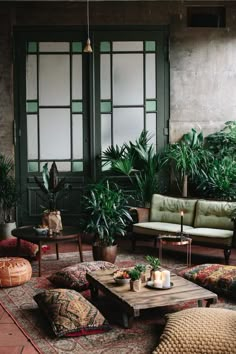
14, 271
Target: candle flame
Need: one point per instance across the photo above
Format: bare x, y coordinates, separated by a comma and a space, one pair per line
182, 213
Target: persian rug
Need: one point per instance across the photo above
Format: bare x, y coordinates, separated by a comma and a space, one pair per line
142, 338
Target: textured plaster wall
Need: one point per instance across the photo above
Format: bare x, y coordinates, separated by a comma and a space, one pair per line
202, 61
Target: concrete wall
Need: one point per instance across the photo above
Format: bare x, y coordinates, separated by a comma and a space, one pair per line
202, 61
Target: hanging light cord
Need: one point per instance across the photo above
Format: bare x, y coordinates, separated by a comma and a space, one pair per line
88, 16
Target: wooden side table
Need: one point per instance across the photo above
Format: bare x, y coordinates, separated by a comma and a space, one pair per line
27, 233
176, 241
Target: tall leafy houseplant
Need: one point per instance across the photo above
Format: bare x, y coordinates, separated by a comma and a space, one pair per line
186, 157
140, 162
8, 196
53, 189
107, 215
51, 186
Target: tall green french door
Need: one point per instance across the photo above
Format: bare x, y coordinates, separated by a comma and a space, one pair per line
71, 105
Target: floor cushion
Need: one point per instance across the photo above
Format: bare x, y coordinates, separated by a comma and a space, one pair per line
74, 277
70, 314
14, 271
199, 331
27, 249
218, 278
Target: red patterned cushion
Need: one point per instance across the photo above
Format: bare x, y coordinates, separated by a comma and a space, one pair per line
70, 314
216, 277
74, 277
8, 248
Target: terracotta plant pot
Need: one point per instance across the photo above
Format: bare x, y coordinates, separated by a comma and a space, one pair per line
105, 253
135, 285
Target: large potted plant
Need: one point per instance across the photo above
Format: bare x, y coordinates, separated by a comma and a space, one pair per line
107, 216
8, 197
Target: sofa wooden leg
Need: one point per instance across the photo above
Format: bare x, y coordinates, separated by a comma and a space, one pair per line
133, 243
227, 253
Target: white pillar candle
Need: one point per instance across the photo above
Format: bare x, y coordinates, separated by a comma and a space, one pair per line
157, 283
165, 275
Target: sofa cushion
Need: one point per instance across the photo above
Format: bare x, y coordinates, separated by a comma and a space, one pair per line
155, 228
167, 209
214, 214
199, 331
74, 276
218, 278
70, 314
210, 236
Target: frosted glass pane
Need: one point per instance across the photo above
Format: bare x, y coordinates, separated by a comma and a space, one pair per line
54, 127
33, 166
77, 77
62, 166
32, 137
127, 46
105, 77
151, 127
127, 124
54, 80
54, 47
127, 79
150, 76
31, 77
105, 131
77, 166
77, 134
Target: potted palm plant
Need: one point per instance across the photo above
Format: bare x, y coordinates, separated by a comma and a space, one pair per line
8, 196
107, 216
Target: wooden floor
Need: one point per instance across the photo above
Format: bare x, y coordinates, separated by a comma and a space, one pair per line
13, 340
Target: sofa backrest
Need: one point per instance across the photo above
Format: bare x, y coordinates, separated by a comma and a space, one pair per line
214, 214
167, 209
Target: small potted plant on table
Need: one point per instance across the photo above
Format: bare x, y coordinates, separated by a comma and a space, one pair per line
135, 279
155, 266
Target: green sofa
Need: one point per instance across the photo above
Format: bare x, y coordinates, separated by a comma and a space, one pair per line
207, 222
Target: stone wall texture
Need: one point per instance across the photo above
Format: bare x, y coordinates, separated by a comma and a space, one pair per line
202, 60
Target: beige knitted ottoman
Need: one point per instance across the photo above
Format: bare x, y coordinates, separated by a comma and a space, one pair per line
14, 271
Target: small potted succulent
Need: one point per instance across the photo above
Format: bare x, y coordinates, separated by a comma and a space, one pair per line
135, 279
155, 266
142, 269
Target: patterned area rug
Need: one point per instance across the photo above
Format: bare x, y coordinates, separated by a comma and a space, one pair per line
142, 338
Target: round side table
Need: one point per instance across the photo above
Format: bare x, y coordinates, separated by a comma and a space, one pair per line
176, 241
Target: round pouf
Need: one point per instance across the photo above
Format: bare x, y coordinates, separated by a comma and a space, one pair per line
14, 271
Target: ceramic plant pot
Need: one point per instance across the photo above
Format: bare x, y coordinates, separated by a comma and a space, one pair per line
135, 285
104, 253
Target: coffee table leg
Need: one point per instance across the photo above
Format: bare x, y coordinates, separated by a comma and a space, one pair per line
80, 248
40, 257
127, 320
57, 251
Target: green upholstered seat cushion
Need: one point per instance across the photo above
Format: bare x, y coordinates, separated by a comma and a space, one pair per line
156, 228
167, 209
211, 236
214, 214
69, 313
218, 278
199, 331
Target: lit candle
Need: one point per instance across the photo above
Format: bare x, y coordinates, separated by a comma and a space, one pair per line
182, 220
157, 282
165, 276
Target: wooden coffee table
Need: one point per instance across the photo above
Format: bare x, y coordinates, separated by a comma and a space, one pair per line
131, 302
27, 233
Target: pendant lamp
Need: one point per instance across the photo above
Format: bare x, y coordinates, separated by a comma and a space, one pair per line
88, 48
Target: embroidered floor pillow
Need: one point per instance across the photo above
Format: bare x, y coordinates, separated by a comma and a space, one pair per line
218, 278
199, 331
70, 314
74, 277
27, 249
